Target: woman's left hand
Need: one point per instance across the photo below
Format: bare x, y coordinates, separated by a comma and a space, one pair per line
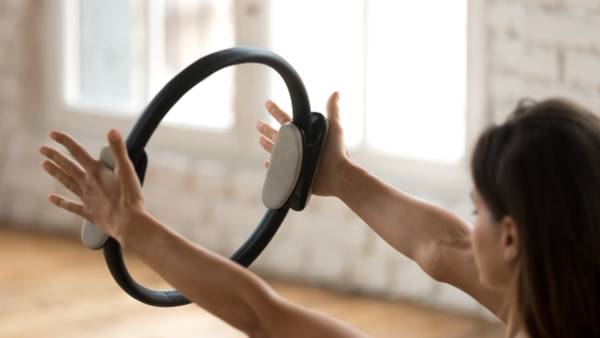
109, 199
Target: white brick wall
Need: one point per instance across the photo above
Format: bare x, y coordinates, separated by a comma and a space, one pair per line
583, 68
536, 48
542, 49
11, 74
513, 56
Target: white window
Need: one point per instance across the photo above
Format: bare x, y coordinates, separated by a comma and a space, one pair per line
401, 68
123, 52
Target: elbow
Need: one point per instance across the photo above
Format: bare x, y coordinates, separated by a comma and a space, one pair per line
274, 316
256, 333
429, 259
245, 320
254, 324
436, 258
254, 328
264, 308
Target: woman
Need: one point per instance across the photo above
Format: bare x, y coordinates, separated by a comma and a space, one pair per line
532, 258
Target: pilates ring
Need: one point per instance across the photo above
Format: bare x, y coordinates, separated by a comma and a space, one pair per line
288, 183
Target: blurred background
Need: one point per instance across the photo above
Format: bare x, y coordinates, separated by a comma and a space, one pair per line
419, 80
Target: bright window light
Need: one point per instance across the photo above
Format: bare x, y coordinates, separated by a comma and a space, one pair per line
115, 68
400, 67
416, 78
104, 74
323, 40
193, 29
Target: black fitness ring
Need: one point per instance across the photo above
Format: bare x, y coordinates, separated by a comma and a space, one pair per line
313, 127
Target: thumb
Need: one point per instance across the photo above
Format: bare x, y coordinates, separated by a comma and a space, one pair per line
333, 110
124, 166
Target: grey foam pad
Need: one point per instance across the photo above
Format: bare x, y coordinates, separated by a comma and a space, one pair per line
284, 167
91, 235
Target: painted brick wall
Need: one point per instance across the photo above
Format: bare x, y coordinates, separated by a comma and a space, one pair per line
11, 18
543, 48
534, 48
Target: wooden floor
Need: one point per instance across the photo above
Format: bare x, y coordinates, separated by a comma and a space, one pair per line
52, 286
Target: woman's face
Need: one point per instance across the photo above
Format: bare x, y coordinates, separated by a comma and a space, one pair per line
489, 245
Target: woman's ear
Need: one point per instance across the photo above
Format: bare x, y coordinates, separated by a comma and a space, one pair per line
509, 239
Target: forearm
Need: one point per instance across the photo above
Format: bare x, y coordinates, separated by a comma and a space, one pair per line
412, 226
217, 284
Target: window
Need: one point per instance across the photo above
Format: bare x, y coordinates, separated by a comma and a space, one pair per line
104, 55
126, 51
401, 68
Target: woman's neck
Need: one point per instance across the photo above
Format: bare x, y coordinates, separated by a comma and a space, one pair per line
519, 334
514, 327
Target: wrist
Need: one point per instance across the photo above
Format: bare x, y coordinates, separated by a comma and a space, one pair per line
138, 222
343, 179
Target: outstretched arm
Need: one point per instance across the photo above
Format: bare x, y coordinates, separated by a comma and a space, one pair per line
225, 288
433, 237
114, 202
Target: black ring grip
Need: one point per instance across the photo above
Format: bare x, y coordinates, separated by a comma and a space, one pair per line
159, 107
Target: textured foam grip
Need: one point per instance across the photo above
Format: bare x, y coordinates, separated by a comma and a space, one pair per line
284, 167
92, 236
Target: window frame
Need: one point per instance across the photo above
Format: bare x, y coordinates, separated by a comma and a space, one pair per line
240, 146
87, 122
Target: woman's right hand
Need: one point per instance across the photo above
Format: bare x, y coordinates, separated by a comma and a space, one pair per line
334, 156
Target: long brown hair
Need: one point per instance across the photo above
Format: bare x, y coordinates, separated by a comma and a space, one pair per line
542, 167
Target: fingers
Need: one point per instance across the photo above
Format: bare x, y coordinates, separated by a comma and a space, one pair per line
266, 143
333, 110
124, 167
66, 165
63, 178
76, 150
267, 130
69, 205
279, 115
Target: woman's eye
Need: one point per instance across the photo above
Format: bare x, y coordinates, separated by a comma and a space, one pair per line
474, 212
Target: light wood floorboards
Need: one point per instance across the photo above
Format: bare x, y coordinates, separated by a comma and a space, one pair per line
51, 286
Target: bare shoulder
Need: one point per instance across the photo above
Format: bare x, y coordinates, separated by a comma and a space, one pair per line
284, 319
454, 263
